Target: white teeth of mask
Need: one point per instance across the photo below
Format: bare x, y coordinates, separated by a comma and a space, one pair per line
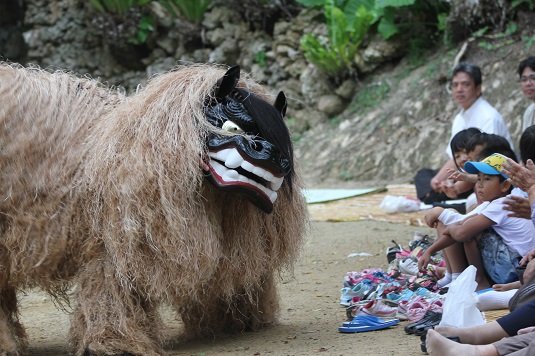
233, 159
276, 183
231, 175
221, 155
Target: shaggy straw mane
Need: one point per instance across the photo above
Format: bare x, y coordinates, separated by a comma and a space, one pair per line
105, 192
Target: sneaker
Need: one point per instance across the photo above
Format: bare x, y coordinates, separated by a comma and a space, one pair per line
417, 310
405, 295
353, 309
361, 290
409, 266
405, 307
429, 320
420, 240
426, 293
436, 305
385, 288
379, 309
393, 266
392, 251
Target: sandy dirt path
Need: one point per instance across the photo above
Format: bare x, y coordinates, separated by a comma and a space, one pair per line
310, 313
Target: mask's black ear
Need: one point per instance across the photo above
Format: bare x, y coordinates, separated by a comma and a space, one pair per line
280, 103
226, 84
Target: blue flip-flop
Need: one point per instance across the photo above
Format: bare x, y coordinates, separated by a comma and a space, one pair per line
370, 320
362, 323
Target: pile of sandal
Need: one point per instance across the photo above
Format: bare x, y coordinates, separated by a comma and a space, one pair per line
377, 299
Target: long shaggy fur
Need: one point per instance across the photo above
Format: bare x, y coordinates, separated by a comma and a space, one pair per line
105, 192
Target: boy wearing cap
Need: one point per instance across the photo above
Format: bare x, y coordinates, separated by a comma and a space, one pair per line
487, 237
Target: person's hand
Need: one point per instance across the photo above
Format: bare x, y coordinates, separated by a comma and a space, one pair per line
436, 184
528, 272
527, 330
521, 177
448, 187
424, 260
528, 257
431, 216
456, 175
518, 206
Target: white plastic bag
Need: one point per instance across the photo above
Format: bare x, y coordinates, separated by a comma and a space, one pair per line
398, 204
460, 308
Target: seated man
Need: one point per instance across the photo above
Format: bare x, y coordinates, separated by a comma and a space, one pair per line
475, 112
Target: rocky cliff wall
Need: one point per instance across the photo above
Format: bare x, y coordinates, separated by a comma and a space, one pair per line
338, 136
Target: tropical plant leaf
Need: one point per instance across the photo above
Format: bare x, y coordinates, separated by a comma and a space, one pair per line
361, 25
337, 23
352, 6
393, 3
97, 5
347, 30
387, 28
119, 7
311, 3
191, 10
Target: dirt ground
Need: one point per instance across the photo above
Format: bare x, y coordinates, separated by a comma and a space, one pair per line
310, 312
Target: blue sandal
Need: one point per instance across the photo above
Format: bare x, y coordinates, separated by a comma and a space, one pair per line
362, 323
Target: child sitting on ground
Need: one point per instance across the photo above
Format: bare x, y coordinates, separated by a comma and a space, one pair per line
517, 203
454, 188
486, 237
479, 146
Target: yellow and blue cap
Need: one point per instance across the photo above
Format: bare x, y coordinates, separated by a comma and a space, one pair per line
492, 165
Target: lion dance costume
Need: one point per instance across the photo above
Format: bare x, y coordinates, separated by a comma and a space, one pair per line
183, 193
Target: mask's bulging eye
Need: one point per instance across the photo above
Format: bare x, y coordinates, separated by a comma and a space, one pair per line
232, 127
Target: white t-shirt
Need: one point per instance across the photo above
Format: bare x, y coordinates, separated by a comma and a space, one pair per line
482, 116
517, 233
529, 117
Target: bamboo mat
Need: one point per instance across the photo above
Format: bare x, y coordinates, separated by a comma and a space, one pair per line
492, 315
366, 207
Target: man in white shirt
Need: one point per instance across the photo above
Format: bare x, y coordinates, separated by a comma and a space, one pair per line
475, 112
526, 72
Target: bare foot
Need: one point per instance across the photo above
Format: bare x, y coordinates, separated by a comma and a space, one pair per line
446, 330
474, 335
438, 345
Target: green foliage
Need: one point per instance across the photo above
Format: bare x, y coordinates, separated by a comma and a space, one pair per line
393, 3
126, 18
529, 41
518, 3
118, 7
369, 97
411, 15
145, 27
335, 55
492, 42
349, 21
260, 58
418, 46
388, 11
191, 10
311, 3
